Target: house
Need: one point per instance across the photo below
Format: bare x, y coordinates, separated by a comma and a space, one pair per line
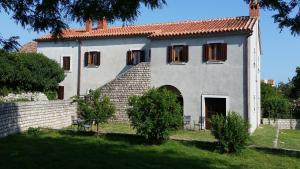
269, 81
213, 65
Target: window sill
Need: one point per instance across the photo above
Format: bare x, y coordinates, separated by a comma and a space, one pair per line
215, 62
92, 66
68, 71
177, 63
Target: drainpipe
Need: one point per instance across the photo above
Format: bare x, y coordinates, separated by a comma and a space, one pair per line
79, 67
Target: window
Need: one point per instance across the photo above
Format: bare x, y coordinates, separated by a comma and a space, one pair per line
135, 57
215, 52
92, 58
177, 54
66, 63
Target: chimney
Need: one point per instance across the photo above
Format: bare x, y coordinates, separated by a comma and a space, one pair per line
254, 9
88, 25
102, 23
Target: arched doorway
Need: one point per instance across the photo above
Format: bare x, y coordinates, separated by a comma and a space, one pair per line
176, 91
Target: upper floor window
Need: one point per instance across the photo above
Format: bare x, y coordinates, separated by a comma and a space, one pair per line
215, 52
135, 57
66, 63
178, 54
92, 58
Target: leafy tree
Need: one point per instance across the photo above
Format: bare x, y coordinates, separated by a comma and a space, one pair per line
286, 89
296, 84
42, 15
287, 13
277, 107
231, 131
28, 72
155, 114
96, 108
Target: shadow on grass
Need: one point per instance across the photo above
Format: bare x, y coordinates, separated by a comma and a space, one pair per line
278, 151
107, 151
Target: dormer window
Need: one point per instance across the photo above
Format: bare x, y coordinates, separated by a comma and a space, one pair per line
177, 54
92, 58
215, 52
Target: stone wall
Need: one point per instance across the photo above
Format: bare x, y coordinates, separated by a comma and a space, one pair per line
283, 123
36, 96
16, 117
135, 81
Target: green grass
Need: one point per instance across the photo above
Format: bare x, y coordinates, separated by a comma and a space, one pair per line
264, 136
67, 149
289, 139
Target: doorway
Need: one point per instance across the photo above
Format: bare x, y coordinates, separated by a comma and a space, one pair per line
214, 106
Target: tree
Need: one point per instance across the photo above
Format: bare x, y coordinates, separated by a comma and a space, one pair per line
296, 84
286, 89
42, 15
155, 114
287, 13
96, 108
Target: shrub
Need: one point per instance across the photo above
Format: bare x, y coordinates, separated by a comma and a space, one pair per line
96, 108
28, 72
155, 114
277, 107
34, 131
230, 131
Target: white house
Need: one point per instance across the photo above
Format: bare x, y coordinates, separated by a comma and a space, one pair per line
213, 65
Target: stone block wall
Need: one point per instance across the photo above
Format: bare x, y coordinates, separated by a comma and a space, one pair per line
283, 123
135, 81
16, 117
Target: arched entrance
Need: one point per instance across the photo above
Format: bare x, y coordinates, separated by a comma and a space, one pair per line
176, 91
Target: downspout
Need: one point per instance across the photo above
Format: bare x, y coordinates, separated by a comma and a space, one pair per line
79, 67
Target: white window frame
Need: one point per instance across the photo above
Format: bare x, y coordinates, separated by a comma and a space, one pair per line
203, 97
62, 63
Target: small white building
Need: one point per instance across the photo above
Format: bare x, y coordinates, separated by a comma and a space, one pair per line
213, 65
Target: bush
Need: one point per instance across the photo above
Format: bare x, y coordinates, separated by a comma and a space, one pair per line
34, 131
230, 131
28, 72
155, 114
277, 107
96, 108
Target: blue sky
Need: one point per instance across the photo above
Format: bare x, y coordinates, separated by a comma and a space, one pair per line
281, 53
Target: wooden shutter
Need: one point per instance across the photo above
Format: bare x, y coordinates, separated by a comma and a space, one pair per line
205, 52
86, 58
149, 56
186, 53
128, 58
66, 62
169, 54
143, 58
224, 51
60, 92
97, 59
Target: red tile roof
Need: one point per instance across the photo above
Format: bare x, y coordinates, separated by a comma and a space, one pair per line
30, 47
186, 28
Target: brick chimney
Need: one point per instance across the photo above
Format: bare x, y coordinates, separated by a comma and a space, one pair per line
102, 23
88, 25
254, 8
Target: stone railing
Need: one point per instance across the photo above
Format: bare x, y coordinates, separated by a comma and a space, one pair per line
283, 123
17, 117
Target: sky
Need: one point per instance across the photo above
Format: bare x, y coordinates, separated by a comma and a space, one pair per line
281, 50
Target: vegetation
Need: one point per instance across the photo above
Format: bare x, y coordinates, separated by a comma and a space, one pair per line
231, 131
264, 136
155, 114
289, 139
28, 72
96, 108
66, 149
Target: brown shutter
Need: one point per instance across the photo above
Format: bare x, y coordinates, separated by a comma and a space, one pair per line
186, 53
128, 58
149, 56
60, 92
205, 52
224, 51
142, 59
66, 63
86, 58
169, 54
97, 62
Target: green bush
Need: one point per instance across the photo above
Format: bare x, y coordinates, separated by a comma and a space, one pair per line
96, 108
33, 131
230, 131
155, 114
25, 72
276, 108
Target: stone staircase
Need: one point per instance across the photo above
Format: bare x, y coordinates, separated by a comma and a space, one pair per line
134, 81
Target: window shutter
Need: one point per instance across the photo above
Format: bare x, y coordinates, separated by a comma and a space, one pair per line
128, 58
142, 59
97, 58
149, 56
224, 51
60, 92
205, 52
66, 63
169, 54
86, 58
186, 53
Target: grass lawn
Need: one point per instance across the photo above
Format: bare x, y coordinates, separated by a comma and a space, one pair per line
264, 136
66, 149
289, 139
